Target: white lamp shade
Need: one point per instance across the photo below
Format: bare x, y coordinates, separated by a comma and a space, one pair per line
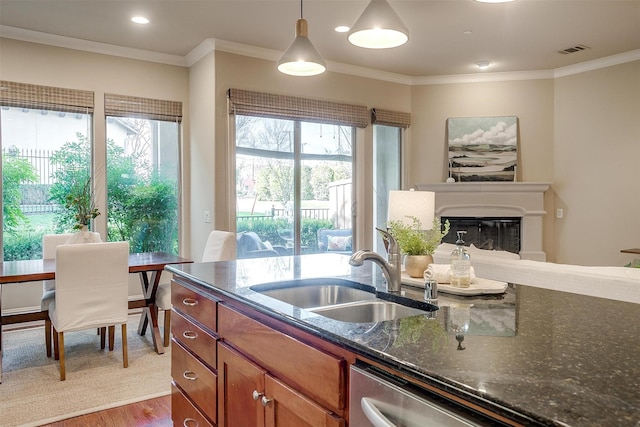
301, 58
405, 204
378, 27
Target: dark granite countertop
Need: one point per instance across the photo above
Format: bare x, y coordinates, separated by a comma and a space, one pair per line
550, 357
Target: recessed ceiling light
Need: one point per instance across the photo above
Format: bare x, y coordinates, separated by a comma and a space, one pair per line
342, 29
483, 65
494, 1
467, 32
140, 20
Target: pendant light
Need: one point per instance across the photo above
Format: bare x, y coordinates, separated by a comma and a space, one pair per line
301, 58
378, 27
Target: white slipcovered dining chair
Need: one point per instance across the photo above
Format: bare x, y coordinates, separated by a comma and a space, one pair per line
221, 246
92, 288
49, 244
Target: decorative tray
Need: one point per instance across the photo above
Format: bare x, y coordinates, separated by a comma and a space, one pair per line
478, 287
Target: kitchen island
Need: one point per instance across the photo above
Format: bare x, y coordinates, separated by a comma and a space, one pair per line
533, 355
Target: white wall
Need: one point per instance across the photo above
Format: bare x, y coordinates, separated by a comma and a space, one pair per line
597, 165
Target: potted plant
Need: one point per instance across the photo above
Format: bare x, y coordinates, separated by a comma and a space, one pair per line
80, 202
417, 244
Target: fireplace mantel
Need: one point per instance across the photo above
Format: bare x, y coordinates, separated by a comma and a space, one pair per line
497, 199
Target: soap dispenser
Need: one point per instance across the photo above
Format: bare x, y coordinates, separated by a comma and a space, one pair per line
460, 264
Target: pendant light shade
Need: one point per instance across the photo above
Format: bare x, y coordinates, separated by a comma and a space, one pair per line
378, 27
301, 58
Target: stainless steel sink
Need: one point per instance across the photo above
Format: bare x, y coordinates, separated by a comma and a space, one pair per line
368, 311
338, 299
312, 293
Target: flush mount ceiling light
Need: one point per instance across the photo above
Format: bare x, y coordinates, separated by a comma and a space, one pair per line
140, 20
483, 65
301, 58
378, 27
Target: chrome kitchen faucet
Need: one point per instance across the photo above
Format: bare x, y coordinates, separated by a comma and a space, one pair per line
390, 267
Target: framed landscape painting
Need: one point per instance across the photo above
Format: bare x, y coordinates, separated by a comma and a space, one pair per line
483, 148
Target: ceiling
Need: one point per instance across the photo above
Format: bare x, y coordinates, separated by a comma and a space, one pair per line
447, 37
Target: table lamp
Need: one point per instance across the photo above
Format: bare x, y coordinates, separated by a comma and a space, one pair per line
405, 204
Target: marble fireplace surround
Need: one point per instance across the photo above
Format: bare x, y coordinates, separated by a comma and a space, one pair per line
524, 200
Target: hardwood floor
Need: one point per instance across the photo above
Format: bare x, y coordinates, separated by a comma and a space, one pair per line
148, 413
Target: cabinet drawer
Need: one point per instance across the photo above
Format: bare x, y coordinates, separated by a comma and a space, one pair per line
194, 305
183, 413
197, 381
319, 375
194, 338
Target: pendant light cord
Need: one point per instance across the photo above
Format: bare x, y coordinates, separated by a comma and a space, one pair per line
300, 9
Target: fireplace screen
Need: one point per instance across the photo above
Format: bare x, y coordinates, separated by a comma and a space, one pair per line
500, 234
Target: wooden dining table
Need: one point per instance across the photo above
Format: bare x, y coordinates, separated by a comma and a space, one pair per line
149, 266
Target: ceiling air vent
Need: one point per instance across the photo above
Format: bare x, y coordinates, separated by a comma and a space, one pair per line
574, 49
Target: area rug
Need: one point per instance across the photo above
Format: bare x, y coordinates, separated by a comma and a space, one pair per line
31, 393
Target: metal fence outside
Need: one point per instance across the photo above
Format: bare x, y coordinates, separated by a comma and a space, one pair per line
35, 195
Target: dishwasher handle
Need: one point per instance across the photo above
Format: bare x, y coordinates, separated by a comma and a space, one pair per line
373, 414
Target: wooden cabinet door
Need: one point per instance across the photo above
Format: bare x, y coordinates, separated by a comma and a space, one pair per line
238, 379
286, 407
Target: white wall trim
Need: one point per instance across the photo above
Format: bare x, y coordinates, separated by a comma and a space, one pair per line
597, 64
89, 46
210, 45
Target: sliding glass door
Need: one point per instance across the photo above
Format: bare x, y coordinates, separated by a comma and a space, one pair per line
293, 185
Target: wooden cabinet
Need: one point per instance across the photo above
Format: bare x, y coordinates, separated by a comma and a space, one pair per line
193, 358
183, 413
235, 369
250, 396
321, 375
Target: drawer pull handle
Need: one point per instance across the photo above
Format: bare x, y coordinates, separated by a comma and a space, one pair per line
265, 401
257, 395
190, 335
189, 422
190, 375
189, 301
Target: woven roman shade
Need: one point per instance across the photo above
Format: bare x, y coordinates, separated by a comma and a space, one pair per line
144, 108
24, 95
390, 118
262, 104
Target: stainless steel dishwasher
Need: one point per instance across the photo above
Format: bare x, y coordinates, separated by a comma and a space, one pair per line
380, 400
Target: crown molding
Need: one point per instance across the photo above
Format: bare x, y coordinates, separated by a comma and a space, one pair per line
483, 77
211, 45
89, 46
596, 64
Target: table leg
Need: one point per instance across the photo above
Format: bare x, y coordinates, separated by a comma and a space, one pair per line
150, 311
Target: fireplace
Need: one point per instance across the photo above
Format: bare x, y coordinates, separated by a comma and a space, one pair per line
522, 202
497, 234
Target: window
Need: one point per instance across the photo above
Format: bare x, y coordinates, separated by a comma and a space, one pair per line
387, 165
294, 163
46, 148
143, 170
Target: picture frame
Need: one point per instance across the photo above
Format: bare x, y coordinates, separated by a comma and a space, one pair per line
482, 148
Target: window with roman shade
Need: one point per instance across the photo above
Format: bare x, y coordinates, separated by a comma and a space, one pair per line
261, 104
143, 171
46, 139
383, 117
